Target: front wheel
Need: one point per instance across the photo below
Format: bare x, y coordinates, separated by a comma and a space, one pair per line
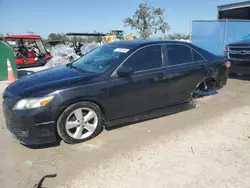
80, 122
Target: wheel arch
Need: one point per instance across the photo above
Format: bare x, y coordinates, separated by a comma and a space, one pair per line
74, 101
202, 85
59, 127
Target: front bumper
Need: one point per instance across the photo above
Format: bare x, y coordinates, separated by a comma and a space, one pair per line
30, 127
240, 67
238, 70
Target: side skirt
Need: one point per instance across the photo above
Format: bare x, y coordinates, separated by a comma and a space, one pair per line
150, 115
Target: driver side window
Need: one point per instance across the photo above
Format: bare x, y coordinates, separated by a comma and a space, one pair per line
145, 59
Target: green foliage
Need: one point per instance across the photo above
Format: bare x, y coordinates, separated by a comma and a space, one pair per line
147, 21
178, 36
65, 38
57, 36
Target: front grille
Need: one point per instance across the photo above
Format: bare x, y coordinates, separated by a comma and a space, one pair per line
239, 56
239, 53
239, 48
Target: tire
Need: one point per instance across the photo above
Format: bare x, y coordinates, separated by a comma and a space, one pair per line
71, 116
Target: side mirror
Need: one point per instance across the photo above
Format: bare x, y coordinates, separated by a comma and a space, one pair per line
125, 71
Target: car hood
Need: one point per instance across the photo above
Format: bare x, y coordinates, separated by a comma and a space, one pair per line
240, 43
47, 81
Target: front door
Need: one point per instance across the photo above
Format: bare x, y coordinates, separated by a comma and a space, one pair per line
142, 91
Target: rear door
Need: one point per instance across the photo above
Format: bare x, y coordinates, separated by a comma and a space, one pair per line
144, 90
186, 68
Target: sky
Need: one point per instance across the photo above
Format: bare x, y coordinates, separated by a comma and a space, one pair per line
61, 16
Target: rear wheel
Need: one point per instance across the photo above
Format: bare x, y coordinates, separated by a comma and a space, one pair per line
80, 122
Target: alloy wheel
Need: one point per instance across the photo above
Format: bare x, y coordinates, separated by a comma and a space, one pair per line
81, 123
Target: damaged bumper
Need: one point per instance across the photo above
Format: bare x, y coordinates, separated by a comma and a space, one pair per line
26, 128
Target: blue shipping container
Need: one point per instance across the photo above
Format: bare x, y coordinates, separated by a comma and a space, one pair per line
214, 35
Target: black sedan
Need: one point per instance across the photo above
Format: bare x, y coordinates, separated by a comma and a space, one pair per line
109, 85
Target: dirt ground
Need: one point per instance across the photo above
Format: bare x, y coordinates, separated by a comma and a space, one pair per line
207, 146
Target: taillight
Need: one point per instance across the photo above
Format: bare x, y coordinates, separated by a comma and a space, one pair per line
227, 64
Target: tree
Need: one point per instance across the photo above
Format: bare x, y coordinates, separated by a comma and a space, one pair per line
58, 36
178, 36
53, 36
63, 37
147, 21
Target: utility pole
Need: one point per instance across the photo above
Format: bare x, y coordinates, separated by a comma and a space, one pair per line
190, 29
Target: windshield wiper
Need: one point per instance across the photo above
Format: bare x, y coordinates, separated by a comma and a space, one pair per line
74, 67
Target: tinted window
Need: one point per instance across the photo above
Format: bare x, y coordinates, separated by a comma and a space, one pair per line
178, 54
197, 57
146, 58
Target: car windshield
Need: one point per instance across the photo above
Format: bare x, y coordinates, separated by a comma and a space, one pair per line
100, 59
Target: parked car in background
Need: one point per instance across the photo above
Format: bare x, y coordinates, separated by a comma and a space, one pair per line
109, 85
29, 50
238, 53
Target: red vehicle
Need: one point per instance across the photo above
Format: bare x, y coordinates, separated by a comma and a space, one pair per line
28, 49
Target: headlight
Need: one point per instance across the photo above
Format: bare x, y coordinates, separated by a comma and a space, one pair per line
31, 103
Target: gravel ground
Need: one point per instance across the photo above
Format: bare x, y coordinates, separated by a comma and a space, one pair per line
202, 147
212, 154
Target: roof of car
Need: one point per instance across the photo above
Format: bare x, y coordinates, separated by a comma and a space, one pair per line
140, 43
